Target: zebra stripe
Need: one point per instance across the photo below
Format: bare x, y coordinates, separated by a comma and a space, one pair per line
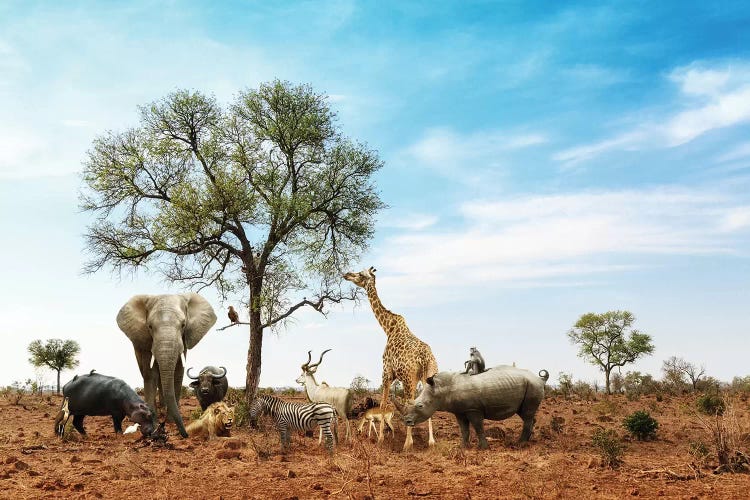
296, 416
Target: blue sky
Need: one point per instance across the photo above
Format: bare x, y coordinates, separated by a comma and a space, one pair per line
541, 161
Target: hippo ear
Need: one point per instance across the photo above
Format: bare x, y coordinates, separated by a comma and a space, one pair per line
132, 318
200, 318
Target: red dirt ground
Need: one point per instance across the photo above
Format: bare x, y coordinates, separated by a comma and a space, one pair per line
36, 464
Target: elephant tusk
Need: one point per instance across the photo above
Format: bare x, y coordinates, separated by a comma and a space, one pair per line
184, 360
152, 360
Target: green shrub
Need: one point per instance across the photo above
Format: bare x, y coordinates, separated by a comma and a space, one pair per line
609, 447
710, 404
641, 425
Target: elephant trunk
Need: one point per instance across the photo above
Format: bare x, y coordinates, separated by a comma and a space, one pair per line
167, 359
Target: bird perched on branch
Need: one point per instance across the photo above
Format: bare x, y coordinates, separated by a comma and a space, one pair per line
233, 316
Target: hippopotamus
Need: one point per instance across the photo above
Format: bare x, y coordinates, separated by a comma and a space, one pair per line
99, 395
496, 394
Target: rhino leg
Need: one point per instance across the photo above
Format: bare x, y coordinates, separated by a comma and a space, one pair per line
528, 426
477, 421
463, 424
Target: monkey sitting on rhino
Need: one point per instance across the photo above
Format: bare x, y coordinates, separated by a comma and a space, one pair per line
475, 364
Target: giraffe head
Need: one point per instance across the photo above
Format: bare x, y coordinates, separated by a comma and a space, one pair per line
363, 278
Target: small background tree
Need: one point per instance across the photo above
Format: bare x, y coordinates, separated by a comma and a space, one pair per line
678, 372
609, 341
55, 354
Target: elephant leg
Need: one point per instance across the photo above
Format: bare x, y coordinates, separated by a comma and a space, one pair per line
149, 377
178, 374
477, 421
463, 425
78, 424
117, 421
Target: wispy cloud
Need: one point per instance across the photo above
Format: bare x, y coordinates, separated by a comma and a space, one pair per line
449, 152
709, 98
410, 221
533, 238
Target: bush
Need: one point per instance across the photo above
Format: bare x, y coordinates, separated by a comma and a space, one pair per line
641, 425
583, 390
728, 439
710, 404
566, 384
360, 386
609, 447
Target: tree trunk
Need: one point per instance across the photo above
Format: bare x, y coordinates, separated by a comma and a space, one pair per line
253, 356
606, 378
58, 382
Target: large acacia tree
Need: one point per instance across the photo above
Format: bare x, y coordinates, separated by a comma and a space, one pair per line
264, 198
608, 340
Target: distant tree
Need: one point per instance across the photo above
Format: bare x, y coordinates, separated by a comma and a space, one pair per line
55, 354
609, 341
617, 383
265, 198
360, 385
676, 370
566, 384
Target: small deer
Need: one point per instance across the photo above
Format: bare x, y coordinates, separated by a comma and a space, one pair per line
373, 415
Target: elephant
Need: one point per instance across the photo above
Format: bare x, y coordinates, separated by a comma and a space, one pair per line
162, 328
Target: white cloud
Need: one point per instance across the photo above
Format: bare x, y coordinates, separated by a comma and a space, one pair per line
531, 239
709, 99
410, 221
737, 153
448, 152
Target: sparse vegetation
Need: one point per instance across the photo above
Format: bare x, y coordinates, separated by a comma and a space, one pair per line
360, 386
566, 384
641, 425
710, 404
609, 446
728, 439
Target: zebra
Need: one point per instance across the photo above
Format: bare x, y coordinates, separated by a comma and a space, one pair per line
296, 416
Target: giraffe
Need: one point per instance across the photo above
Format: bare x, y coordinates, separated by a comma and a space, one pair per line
405, 358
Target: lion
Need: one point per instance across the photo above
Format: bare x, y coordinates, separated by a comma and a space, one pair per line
215, 421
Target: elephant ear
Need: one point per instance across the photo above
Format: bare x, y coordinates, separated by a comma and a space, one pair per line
200, 319
132, 319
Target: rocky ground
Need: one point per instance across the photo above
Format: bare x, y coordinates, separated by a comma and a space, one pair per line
560, 461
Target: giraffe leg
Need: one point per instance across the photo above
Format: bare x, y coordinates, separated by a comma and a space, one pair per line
383, 400
410, 389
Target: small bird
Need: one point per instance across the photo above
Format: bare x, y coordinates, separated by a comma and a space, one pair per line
233, 316
132, 428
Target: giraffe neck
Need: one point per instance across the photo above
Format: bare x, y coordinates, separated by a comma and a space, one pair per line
381, 313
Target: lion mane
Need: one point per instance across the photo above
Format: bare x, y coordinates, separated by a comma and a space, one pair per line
215, 421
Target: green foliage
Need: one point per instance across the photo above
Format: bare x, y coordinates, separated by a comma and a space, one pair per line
56, 354
290, 392
641, 425
608, 444
583, 390
566, 384
264, 197
608, 340
710, 404
740, 384
637, 384
360, 386
616, 383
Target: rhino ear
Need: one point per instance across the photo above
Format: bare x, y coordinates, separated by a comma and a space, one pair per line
200, 318
431, 381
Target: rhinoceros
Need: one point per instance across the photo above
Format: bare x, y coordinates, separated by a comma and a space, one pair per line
496, 394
